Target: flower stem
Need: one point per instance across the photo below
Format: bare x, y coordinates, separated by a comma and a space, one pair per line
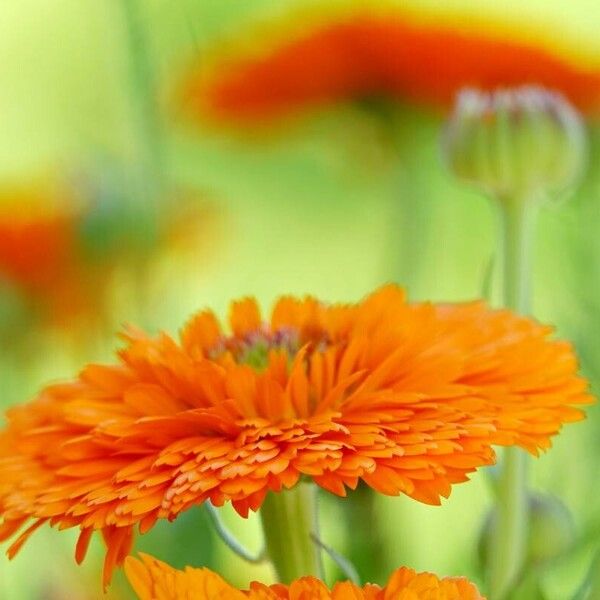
229, 539
517, 221
146, 115
510, 534
288, 520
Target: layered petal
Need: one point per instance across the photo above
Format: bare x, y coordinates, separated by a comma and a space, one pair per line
409, 398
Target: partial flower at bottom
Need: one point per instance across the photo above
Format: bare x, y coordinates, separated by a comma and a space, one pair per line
155, 580
409, 398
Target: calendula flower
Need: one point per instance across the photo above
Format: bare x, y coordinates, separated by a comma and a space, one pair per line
41, 254
60, 245
309, 60
33, 218
153, 579
407, 397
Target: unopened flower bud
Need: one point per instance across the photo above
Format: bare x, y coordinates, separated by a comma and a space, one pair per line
514, 143
551, 530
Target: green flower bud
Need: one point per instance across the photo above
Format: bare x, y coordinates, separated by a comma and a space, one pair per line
551, 530
513, 143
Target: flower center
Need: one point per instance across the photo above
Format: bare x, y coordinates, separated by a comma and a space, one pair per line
253, 349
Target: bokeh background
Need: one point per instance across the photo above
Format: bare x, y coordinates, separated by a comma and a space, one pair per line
119, 205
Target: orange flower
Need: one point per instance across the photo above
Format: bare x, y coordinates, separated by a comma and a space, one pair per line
23, 221
59, 250
379, 51
39, 247
48, 254
407, 397
153, 579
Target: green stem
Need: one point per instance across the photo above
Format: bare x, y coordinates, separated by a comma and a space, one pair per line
229, 539
288, 519
145, 113
510, 537
364, 522
146, 183
517, 222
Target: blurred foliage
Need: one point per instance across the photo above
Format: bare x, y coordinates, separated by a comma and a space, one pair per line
333, 204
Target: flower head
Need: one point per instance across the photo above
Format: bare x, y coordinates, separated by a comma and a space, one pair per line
515, 142
153, 579
407, 397
28, 215
60, 244
41, 253
312, 61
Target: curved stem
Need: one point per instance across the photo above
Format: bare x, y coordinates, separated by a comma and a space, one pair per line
345, 566
289, 519
509, 542
229, 539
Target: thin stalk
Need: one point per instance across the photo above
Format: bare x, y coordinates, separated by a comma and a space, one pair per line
147, 122
229, 539
146, 182
517, 223
344, 565
414, 206
510, 536
289, 520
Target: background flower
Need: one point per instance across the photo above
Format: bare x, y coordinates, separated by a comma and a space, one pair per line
64, 241
40, 253
304, 60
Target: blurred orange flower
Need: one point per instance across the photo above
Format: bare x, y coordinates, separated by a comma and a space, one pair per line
407, 397
40, 250
153, 579
377, 51
60, 246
